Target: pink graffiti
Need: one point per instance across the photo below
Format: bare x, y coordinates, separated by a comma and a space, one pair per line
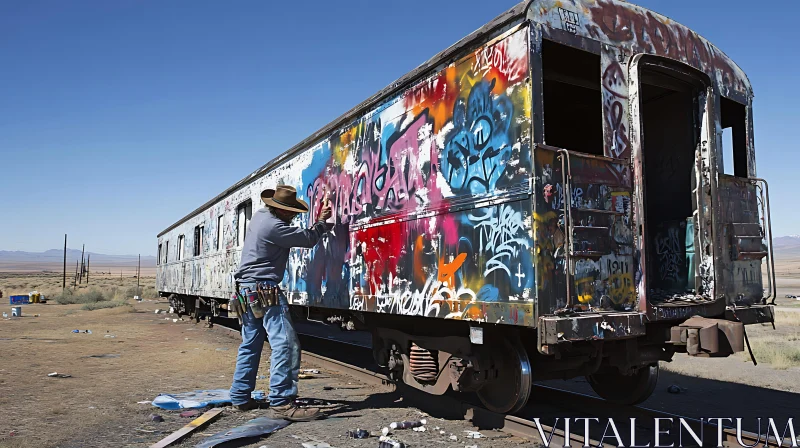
375, 186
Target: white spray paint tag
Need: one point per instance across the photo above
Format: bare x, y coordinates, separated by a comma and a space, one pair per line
476, 335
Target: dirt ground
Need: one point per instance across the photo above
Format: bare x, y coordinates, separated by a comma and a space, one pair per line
133, 354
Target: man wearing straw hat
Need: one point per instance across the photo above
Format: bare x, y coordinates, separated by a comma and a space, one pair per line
264, 257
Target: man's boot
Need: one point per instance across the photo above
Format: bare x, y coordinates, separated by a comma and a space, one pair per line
293, 413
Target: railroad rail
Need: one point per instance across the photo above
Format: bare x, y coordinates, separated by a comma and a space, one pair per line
530, 428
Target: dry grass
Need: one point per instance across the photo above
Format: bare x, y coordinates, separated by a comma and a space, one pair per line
126, 307
100, 400
49, 283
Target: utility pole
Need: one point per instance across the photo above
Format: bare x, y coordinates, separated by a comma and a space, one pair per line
88, 259
80, 279
75, 282
64, 285
138, 273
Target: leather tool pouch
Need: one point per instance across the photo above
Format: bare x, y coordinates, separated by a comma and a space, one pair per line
268, 294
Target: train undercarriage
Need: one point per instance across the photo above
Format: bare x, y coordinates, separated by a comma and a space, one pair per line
500, 362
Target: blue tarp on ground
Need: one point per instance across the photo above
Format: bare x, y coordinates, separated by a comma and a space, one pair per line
199, 399
254, 428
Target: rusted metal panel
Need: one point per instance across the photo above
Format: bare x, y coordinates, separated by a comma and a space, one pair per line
554, 330
599, 248
431, 198
709, 337
742, 243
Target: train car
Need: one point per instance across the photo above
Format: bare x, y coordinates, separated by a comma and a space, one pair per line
568, 191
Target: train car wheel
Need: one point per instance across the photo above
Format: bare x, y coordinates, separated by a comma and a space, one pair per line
625, 389
511, 389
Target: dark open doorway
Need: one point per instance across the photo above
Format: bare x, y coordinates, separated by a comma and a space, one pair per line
671, 133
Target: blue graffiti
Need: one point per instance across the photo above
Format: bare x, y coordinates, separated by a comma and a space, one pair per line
478, 148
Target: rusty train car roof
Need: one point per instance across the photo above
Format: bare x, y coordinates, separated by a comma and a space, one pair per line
614, 22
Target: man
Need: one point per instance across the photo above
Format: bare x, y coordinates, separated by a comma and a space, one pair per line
264, 257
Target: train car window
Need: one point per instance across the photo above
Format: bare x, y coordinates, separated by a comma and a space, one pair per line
219, 231
243, 213
198, 240
733, 118
158, 258
573, 107
166, 251
180, 247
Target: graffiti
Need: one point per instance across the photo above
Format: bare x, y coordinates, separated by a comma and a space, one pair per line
669, 251
447, 271
570, 21
506, 61
615, 108
500, 236
479, 147
652, 33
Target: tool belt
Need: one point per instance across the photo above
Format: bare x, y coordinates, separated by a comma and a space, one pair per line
268, 294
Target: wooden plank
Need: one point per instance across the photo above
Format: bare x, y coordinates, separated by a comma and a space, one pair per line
176, 436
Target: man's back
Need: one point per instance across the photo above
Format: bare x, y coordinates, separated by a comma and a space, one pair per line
266, 247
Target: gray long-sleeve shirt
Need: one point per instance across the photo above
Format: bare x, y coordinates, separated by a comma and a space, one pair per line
266, 247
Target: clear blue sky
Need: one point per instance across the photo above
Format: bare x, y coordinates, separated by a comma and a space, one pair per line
119, 117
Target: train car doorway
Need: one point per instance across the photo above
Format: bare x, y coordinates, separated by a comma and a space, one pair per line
672, 107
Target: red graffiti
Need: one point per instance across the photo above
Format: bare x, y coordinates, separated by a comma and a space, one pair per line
647, 33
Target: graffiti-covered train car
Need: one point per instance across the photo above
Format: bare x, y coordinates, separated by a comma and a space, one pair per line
573, 185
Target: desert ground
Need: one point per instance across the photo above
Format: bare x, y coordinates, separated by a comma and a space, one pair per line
133, 354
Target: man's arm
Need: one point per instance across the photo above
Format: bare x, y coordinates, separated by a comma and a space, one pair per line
287, 236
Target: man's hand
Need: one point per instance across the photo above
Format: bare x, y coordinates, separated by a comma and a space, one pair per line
325, 212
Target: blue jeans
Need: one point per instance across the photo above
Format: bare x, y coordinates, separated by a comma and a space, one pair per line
277, 327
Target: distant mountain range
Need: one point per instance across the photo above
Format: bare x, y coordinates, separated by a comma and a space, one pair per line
51, 256
787, 246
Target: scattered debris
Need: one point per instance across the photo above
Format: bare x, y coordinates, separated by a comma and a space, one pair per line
313, 371
174, 320
673, 389
110, 336
407, 425
188, 414
316, 445
358, 434
254, 428
105, 355
473, 434
418, 429
385, 431
328, 388
180, 434
144, 402
158, 311
453, 437
156, 418
16, 311
389, 443
5, 315
470, 446
82, 331
310, 402
59, 375
12, 433
199, 399
262, 377
305, 376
